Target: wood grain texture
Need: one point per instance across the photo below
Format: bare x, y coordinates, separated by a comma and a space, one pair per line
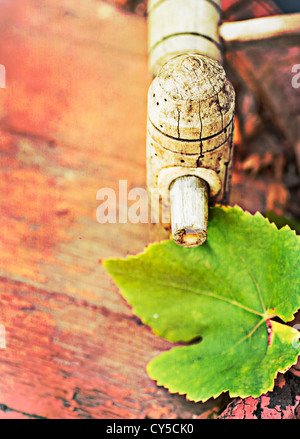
73, 120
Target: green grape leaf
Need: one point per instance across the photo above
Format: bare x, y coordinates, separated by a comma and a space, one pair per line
234, 292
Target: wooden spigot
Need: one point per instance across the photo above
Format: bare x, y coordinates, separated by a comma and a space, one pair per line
190, 114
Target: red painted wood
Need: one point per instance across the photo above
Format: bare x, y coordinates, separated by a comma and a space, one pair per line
72, 121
